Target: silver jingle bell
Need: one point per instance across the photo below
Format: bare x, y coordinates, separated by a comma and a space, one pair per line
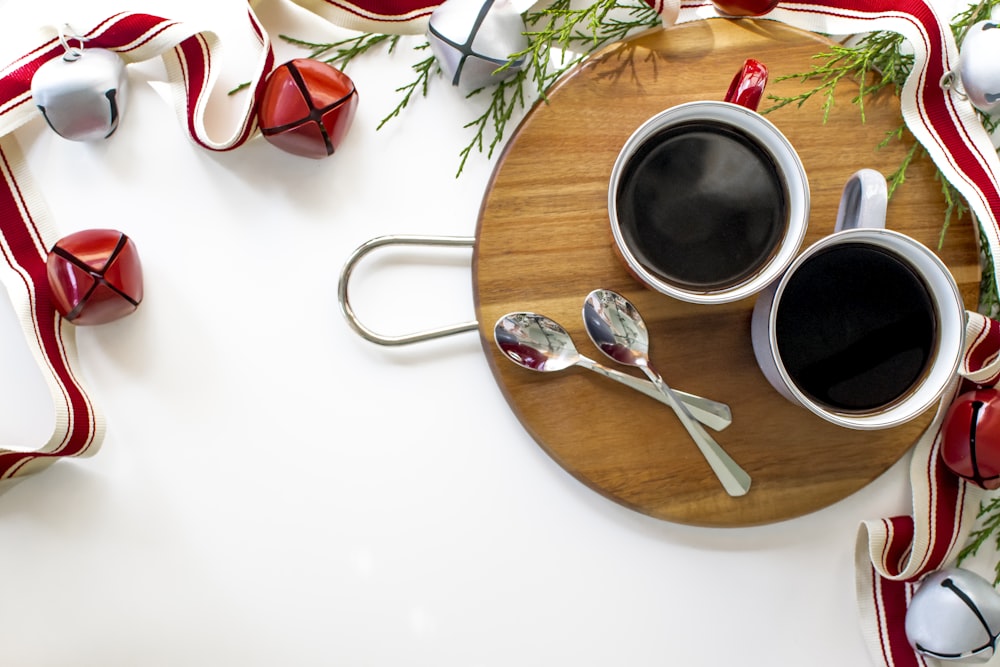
471, 39
977, 75
955, 616
81, 94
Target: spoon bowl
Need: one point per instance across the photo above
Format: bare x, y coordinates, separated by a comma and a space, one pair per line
616, 328
535, 342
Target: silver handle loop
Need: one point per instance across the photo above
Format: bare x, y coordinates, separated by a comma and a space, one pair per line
71, 53
398, 240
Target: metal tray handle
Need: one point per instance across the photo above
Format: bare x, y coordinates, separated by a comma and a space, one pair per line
398, 240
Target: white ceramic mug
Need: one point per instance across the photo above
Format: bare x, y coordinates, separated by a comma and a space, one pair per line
861, 223
737, 114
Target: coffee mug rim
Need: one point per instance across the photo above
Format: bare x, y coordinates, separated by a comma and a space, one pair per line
942, 374
782, 154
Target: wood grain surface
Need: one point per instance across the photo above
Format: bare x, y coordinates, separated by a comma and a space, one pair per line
544, 242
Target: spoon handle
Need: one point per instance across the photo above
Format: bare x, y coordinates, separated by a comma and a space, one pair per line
712, 414
734, 479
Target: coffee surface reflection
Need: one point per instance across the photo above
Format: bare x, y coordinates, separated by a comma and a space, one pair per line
702, 205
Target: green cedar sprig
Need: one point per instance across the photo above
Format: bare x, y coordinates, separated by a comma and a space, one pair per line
342, 52
988, 531
877, 52
560, 35
425, 69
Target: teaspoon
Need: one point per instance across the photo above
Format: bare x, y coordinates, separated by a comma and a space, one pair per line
542, 344
618, 330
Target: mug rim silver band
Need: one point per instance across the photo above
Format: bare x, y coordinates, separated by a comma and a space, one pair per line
781, 152
945, 294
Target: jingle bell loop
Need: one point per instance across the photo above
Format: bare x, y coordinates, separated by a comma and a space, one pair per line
81, 94
70, 52
976, 77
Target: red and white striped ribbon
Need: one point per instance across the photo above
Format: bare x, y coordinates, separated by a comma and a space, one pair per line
400, 17
27, 235
28, 232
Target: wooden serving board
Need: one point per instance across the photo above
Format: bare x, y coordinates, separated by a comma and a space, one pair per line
544, 242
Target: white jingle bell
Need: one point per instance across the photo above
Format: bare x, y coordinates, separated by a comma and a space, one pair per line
81, 94
978, 72
471, 39
954, 615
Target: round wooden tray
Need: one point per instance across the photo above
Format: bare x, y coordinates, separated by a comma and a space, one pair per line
543, 242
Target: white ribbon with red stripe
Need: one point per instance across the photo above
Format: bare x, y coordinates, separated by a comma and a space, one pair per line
399, 17
28, 232
892, 553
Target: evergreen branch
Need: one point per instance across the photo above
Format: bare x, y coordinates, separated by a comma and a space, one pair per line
877, 53
342, 52
339, 53
989, 530
424, 69
559, 35
955, 205
506, 98
898, 177
989, 297
972, 14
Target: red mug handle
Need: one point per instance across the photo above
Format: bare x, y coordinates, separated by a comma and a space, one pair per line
748, 85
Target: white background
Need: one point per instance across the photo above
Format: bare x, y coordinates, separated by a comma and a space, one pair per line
274, 490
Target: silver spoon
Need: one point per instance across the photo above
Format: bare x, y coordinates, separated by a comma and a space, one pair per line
617, 329
541, 344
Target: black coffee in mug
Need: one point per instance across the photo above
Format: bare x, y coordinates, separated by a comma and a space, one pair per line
855, 327
702, 205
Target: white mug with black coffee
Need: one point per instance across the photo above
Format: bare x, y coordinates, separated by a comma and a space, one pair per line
708, 200
866, 327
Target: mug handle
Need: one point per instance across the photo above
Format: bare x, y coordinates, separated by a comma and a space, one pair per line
747, 86
863, 202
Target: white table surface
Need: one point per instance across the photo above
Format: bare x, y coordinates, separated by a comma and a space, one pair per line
274, 490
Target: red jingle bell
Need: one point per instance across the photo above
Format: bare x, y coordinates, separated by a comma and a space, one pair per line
95, 276
307, 107
970, 445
